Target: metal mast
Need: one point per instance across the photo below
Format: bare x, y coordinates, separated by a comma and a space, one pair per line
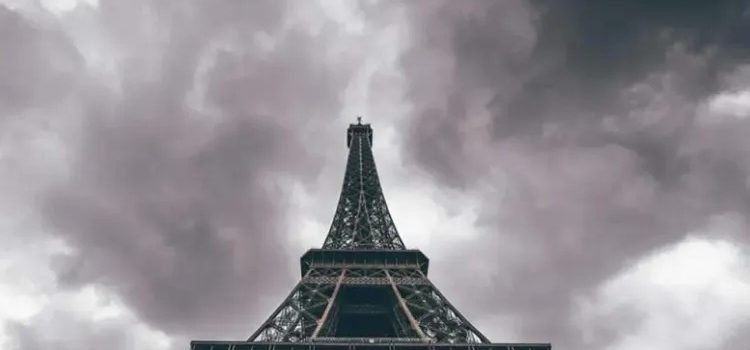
364, 287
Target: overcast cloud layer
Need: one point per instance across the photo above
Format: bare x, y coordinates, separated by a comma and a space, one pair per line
164, 163
595, 134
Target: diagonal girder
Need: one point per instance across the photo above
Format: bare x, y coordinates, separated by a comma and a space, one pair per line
297, 316
437, 317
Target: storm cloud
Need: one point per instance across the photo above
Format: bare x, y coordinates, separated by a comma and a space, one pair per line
173, 196
163, 163
590, 130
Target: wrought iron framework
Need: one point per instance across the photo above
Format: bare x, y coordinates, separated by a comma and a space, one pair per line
421, 313
364, 287
362, 219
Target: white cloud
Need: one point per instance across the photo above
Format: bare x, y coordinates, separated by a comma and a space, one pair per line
92, 317
694, 295
33, 306
62, 6
730, 104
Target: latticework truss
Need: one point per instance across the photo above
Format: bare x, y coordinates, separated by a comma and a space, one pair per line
362, 219
364, 290
421, 312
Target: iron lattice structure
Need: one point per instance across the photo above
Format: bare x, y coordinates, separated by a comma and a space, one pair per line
362, 219
364, 288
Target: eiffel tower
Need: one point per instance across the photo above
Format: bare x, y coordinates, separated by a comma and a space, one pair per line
364, 290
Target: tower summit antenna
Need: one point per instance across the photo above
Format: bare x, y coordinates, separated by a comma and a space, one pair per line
359, 120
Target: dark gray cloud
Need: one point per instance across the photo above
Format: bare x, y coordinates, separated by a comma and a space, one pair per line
583, 127
552, 65
174, 198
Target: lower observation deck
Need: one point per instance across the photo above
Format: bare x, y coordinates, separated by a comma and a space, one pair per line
363, 257
361, 344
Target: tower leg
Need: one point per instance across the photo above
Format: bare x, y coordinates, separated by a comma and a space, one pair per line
323, 318
405, 309
297, 317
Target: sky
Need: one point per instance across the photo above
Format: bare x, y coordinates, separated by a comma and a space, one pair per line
578, 172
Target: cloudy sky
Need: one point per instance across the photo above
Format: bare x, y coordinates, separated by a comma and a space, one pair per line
577, 171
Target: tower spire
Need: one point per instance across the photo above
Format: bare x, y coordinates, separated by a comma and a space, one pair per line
362, 219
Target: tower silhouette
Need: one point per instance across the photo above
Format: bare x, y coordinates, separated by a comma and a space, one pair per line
364, 290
